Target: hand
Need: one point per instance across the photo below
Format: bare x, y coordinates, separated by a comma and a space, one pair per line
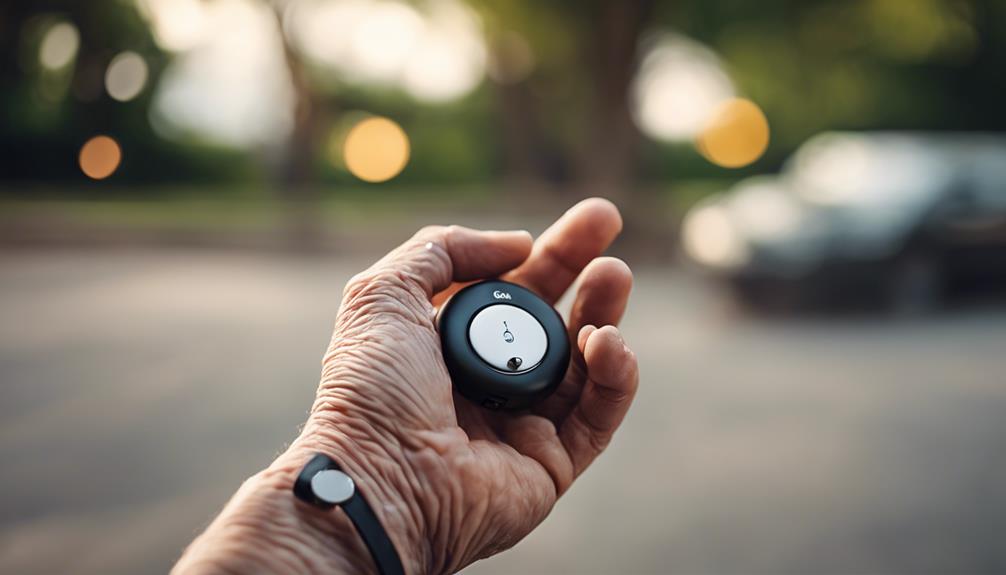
450, 481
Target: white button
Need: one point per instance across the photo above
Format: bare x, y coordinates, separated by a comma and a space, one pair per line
508, 338
332, 486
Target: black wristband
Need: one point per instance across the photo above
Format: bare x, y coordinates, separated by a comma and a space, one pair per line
324, 484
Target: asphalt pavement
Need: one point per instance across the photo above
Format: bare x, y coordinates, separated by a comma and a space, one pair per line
138, 388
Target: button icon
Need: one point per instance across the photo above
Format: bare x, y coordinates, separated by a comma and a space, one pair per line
493, 335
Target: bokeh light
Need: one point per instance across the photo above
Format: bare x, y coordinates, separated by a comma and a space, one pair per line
449, 59
386, 36
126, 76
679, 85
436, 54
376, 150
710, 237
59, 46
323, 30
737, 135
233, 87
178, 25
100, 157
364, 40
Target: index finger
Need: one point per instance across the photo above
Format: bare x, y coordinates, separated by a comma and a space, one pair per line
567, 246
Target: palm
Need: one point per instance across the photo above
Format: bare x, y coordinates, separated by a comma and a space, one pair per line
503, 437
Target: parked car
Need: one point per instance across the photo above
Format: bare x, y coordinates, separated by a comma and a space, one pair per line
906, 220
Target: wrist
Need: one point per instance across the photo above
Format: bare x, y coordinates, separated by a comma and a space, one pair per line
263, 529
381, 475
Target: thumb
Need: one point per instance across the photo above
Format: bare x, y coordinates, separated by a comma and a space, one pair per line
439, 255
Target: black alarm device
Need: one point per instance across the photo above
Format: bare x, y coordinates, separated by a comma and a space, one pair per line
505, 347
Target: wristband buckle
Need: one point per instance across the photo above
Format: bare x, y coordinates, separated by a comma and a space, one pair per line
323, 484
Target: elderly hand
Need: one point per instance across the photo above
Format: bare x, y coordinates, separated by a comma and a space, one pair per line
450, 481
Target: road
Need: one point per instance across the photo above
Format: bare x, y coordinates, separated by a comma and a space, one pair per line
139, 387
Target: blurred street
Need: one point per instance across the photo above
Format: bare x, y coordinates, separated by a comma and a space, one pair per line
140, 387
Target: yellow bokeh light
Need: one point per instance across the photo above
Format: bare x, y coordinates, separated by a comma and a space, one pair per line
100, 157
376, 150
737, 135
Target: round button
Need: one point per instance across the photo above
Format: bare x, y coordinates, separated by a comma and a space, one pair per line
332, 486
508, 338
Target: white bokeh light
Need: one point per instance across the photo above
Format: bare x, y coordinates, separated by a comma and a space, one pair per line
234, 87
178, 25
126, 76
678, 88
322, 29
386, 36
59, 46
711, 238
450, 58
364, 40
434, 51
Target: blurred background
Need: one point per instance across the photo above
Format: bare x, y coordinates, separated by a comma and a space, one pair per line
814, 195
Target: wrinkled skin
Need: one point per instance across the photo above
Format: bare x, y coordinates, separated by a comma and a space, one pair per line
450, 481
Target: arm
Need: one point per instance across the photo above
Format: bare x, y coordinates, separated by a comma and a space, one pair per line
450, 482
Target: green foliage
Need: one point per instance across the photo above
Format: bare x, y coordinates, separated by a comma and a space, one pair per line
858, 64
812, 65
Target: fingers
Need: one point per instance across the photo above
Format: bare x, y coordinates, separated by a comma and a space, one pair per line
581, 338
580, 235
612, 379
602, 295
438, 255
600, 300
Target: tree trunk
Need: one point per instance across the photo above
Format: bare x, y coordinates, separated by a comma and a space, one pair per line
296, 181
606, 161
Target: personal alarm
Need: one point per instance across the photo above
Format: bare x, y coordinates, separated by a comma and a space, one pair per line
505, 347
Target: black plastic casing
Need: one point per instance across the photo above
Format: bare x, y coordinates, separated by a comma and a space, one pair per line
477, 380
